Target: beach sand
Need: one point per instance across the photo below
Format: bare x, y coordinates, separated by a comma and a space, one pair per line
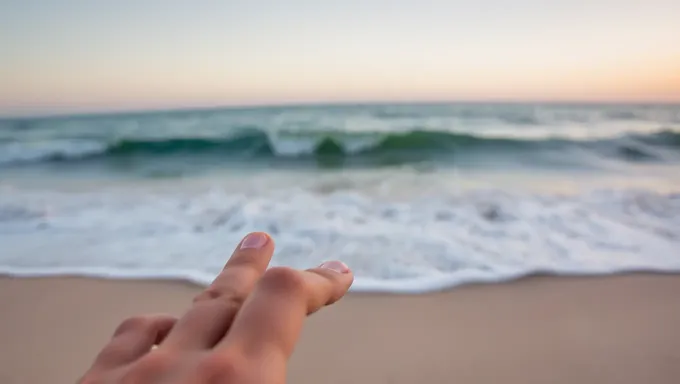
617, 329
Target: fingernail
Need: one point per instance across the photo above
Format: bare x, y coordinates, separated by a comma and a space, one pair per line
334, 265
254, 241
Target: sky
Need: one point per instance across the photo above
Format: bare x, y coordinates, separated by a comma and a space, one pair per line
64, 56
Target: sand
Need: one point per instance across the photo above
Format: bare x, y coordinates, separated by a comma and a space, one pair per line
617, 329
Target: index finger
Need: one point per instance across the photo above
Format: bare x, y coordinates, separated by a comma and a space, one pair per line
208, 319
271, 319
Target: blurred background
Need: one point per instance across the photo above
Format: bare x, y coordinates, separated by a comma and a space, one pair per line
426, 144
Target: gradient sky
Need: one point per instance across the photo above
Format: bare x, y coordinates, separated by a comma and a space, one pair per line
88, 55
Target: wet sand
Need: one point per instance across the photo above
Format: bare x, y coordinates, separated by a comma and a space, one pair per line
617, 329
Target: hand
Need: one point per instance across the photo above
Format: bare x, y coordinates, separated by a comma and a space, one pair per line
241, 329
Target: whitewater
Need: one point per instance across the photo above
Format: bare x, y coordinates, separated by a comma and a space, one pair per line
414, 198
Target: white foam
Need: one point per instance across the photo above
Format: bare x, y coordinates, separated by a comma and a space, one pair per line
290, 143
408, 245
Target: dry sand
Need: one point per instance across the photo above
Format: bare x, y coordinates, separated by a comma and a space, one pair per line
620, 329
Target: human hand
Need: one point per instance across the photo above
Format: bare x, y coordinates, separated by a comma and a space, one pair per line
241, 329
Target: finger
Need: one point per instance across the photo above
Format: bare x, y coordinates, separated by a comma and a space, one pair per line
133, 338
270, 321
206, 322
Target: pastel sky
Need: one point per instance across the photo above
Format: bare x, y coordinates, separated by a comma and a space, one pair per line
88, 55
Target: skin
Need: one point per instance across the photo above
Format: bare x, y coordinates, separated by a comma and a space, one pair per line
241, 329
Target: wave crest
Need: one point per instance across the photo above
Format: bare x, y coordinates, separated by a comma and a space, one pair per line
314, 144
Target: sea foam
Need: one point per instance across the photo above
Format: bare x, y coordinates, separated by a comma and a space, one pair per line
411, 245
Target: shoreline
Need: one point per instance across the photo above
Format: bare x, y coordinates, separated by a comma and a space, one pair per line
409, 287
607, 329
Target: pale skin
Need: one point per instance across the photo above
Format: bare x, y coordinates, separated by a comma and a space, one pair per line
242, 329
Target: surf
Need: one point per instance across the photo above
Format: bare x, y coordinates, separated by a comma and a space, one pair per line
310, 144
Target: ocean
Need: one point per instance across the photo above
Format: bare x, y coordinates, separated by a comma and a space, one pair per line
414, 198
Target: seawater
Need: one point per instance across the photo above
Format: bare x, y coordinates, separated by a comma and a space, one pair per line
413, 197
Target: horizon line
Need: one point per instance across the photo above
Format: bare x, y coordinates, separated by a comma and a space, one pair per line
318, 104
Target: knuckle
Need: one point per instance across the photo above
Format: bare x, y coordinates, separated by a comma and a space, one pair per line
284, 279
224, 294
222, 368
209, 293
133, 323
